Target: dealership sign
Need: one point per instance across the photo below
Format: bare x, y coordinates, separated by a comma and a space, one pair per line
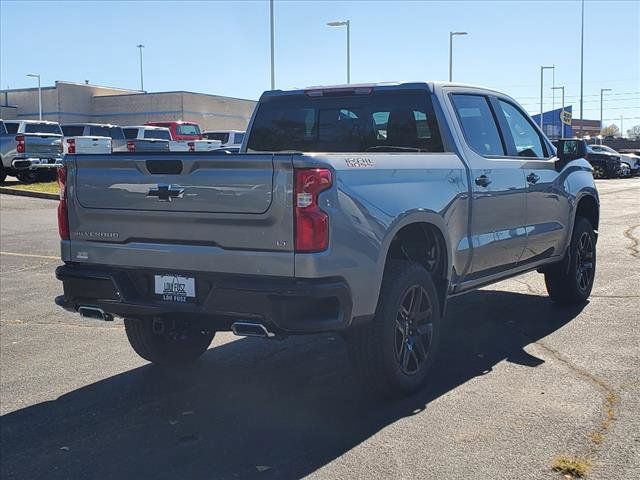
565, 117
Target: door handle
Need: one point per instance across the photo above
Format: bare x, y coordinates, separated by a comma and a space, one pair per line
483, 181
532, 178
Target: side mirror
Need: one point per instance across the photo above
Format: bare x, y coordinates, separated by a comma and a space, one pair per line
571, 149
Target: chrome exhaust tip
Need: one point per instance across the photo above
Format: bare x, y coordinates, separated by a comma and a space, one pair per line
94, 313
251, 329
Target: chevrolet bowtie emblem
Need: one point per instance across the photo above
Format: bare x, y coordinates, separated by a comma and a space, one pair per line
166, 192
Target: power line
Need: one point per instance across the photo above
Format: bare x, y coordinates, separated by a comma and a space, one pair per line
591, 95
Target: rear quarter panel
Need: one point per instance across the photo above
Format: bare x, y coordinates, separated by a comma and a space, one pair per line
375, 195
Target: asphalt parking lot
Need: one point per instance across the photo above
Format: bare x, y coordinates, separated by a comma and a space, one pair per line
519, 382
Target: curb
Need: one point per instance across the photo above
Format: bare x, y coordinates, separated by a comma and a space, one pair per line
27, 193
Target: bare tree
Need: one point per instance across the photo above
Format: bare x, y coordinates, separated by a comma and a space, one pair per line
610, 131
634, 132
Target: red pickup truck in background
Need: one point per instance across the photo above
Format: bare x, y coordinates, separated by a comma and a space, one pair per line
180, 130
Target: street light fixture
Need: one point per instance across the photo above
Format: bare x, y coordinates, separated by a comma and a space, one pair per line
140, 47
602, 90
37, 75
561, 119
345, 23
451, 35
542, 69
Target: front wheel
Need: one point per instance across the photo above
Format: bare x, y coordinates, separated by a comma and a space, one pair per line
166, 343
570, 281
394, 352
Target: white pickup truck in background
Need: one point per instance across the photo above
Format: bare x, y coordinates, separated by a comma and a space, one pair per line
75, 142
114, 132
163, 133
229, 138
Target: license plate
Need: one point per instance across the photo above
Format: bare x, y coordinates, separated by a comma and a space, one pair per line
174, 288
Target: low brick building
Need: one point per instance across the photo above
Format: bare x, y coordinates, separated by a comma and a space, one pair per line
81, 102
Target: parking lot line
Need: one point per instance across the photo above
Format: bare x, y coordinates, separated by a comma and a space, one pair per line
47, 257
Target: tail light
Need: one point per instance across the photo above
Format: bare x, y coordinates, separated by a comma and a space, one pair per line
20, 144
63, 212
71, 145
311, 223
192, 146
131, 146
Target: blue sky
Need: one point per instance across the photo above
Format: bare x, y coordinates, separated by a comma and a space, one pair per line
222, 47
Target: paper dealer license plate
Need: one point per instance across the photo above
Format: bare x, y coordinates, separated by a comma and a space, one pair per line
174, 288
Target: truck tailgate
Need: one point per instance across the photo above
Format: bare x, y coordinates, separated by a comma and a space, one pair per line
151, 145
95, 145
45, 145
191, 207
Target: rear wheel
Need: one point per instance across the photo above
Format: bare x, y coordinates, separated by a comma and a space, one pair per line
47, 175
570, 281
599, 172
28, 176
167, 343
394, 352
3, 173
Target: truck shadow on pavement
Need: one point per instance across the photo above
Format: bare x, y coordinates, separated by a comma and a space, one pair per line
254, 408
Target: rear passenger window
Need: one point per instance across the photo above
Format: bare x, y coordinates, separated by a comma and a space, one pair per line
525, 137
11, 127
478, 124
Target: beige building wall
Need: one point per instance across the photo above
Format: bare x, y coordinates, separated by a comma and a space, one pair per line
77, 102
209, 111
8, 113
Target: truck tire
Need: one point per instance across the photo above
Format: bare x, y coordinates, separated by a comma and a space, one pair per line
3, 173
570, 282
28, 176
166, 348
394, 352
599, 172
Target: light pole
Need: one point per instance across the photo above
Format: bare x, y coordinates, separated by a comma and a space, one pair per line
581, 64
37, 75
451, 35
273, 68
561, 119
621, 129
602, 90
345, 23
542, 69
140, 47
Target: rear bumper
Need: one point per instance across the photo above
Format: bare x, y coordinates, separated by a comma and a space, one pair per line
31, 163
285, 305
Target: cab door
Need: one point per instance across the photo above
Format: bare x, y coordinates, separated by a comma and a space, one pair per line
547, 206
498, 233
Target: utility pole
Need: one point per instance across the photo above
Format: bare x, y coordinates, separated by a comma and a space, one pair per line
542, 69
562, 112
621, 129
602, 90
140, 47
273, 68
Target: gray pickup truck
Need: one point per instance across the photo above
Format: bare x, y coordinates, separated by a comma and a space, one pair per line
30, 149
359, 209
